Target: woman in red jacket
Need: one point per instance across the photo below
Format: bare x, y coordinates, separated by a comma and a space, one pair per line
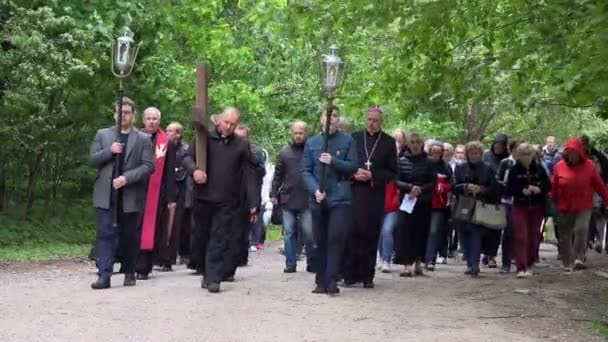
439, 205
575, 180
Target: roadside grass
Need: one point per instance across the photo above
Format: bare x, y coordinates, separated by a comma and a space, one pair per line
600, 328
66, 230
50, 251
273, 233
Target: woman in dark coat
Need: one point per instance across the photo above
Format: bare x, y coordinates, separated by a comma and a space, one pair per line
417, 178
475, 179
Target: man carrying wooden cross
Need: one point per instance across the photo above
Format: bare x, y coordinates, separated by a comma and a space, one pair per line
217, 195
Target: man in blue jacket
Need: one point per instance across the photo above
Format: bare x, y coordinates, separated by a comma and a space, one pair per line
331, 209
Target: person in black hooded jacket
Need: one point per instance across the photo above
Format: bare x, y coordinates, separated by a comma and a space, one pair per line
417, 177
491, 241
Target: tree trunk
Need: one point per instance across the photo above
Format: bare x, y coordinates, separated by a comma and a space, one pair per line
472, 120
2, 186
34, 169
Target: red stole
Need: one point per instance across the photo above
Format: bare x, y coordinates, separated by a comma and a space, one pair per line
154, 185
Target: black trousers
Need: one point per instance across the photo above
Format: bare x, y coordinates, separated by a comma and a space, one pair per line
238, 243
214, 223
490, 241
106, 241
147, 259
413, 234
362, 247
185, 234
331, 226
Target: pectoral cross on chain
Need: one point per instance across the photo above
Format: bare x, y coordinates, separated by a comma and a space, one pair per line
368, 165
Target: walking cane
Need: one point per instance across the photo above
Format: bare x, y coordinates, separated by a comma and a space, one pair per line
170, 225
604, 236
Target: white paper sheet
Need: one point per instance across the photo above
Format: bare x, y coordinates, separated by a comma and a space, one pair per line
407, 205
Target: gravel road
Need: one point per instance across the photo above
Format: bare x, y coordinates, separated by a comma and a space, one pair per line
52, 301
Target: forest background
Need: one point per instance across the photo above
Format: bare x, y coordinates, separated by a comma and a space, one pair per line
455, 70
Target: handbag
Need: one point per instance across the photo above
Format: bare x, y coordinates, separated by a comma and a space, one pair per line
464, 208
491, 216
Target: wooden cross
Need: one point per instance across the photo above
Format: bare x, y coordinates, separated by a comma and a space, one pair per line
200, 118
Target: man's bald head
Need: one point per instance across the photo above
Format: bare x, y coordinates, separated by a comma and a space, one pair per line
299, 132
228, 121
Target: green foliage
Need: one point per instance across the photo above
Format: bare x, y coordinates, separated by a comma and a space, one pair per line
49, 251
69, 224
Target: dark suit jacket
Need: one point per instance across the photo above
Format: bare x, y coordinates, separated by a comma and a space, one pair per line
138, 165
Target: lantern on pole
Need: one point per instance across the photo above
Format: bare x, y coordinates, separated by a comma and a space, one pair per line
124, 53
332, 71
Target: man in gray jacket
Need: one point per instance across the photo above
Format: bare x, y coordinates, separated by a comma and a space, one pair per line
135, 164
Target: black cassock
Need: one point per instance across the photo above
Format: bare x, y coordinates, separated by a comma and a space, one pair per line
378, 154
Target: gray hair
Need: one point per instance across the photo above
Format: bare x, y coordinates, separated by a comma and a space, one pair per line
153, 110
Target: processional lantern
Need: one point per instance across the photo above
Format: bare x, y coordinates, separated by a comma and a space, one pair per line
332, 68
124, 53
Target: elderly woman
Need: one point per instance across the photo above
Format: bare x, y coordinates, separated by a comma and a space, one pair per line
417, 179
528, 185
474, 179
575, 180
437, 242
401, 140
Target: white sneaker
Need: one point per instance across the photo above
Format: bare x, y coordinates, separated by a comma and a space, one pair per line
521, 274
385, 267
442, 261
253, 249
528, 273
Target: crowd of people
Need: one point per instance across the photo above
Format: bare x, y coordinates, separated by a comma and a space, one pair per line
353, 203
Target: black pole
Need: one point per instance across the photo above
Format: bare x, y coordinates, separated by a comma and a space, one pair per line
328, 114
117, 156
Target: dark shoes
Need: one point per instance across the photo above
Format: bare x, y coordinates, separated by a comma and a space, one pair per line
229, 279
349, 283
141, 276
213, 288
332, 288
166, 268
129, 280
319, 290
472, 272
289, 269
101, 283
492, 263
368, 284
310, 269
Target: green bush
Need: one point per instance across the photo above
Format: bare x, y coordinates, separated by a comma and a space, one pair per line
64, 223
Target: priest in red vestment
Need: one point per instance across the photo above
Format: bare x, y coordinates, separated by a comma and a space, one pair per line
160, 200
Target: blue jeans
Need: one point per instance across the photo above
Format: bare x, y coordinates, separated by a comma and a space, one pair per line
297, 223
386, 243
437, 234
507, 246
257, 231
471, 243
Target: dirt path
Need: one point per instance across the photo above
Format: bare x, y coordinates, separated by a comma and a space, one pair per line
53, 302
